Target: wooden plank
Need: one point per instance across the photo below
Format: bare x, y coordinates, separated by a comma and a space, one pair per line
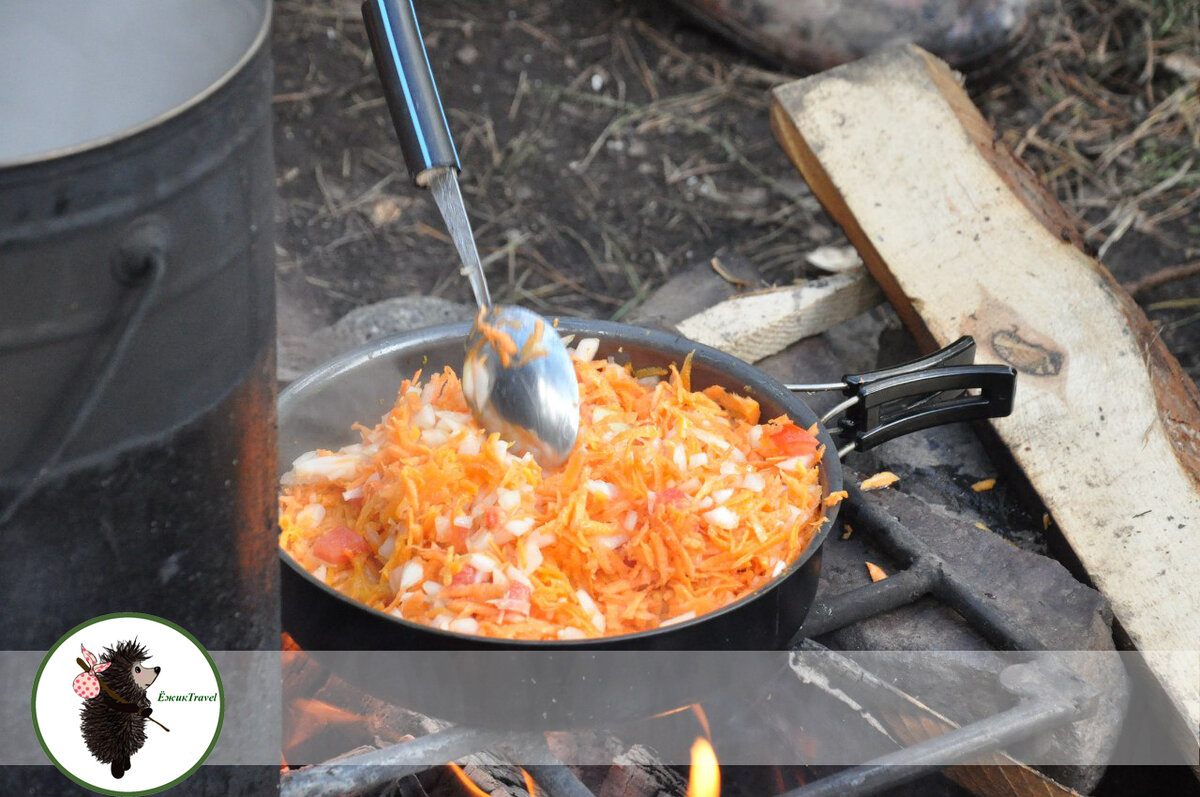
963, 240
752, 326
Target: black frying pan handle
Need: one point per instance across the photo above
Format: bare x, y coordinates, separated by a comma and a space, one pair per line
960, 352
894, 405
412, 96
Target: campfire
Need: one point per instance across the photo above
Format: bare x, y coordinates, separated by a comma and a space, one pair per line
1004, 605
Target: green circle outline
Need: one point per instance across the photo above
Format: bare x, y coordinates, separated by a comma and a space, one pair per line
141, 616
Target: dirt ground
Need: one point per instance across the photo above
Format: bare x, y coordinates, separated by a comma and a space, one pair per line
608, 145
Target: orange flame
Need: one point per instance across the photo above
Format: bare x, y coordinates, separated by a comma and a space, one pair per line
704, 778
529, 786
309, 717
469, 784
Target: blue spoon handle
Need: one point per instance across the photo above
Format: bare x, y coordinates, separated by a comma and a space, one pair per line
408, 86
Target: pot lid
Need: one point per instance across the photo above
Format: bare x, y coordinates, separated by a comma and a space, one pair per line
78, 74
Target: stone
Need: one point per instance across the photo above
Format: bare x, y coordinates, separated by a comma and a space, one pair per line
299, 354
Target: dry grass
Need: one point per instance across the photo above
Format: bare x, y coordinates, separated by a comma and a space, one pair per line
609, 146
1100, 106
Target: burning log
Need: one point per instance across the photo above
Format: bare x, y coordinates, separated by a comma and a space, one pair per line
639, 773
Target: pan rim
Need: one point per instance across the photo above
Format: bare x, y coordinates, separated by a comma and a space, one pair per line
667, 342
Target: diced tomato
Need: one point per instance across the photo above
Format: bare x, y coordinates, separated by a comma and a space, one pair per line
340, 545
464, 576
793, 441
491, 518
516, 600
672, 496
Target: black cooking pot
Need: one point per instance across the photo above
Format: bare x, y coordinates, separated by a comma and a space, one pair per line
566, 683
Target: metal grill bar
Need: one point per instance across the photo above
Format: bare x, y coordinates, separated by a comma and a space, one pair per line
930, 575
962, 744
357, 774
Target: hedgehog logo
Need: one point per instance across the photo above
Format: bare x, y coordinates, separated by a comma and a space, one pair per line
116, 706
148, 674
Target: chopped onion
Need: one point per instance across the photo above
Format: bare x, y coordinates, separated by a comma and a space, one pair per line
431, 588
434, 437
698, 460
508, 499
708, 437
601, 487
519, 526
388, 547
631, 519
470, 444
533, 556
754, 481
311, 515
516, 575
543, 538
463, 521
331, 467
586, 349
425, 418
611, 541
589, 606
679, 618
411, 575
585, 600
464, 625
482, 562
722, 495
680, 457
722, 518
571, 632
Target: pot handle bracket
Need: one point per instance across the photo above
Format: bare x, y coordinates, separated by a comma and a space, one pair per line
944, 387
137, 266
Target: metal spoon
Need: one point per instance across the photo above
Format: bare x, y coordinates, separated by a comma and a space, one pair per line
517, 376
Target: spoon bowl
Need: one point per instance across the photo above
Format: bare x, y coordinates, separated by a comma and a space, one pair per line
519, 381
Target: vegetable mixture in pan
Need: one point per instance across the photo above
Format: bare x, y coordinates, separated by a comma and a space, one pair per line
674, 503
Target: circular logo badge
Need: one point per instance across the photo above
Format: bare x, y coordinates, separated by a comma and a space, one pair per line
127, 704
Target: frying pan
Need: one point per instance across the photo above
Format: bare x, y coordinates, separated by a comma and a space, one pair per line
559, 684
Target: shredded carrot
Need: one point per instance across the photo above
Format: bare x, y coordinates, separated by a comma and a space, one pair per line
983, 485
499, 340
879, 480
673, 504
